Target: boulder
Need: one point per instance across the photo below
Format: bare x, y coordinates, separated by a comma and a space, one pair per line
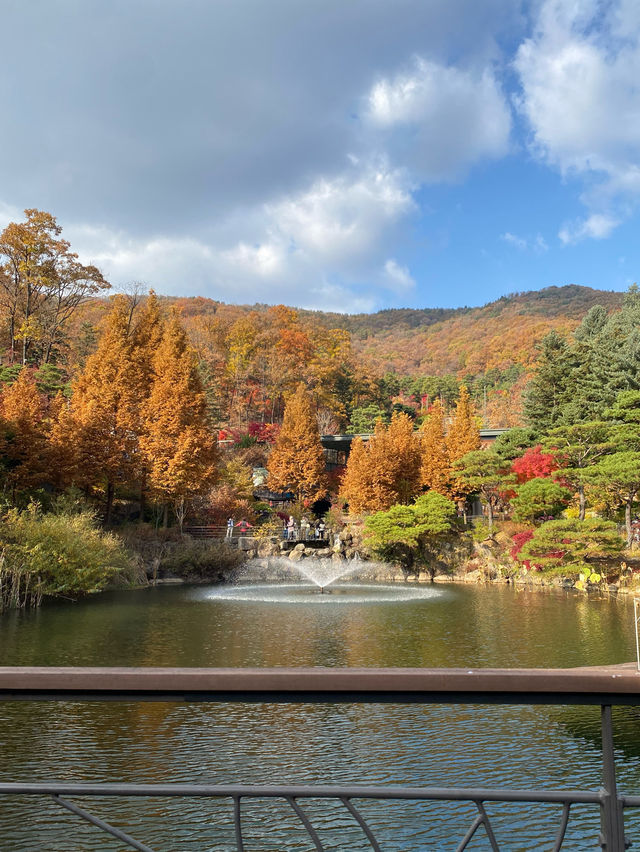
268, 547
296, 555
299, 547
337, 557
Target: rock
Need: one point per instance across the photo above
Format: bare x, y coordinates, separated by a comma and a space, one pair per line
323, 552
337, 557
296, 555
299, 548
170, 581
423, 577
268, 547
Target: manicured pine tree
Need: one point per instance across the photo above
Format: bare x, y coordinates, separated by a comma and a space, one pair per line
177, 443
435, 468
481, 472
576, 448
296, 462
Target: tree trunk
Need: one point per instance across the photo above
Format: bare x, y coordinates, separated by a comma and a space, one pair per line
109, 503
490, 514
583, 503
627, 518
165, 516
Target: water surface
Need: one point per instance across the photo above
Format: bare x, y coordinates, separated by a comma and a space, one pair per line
447, 626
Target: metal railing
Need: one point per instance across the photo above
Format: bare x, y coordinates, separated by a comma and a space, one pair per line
605, 686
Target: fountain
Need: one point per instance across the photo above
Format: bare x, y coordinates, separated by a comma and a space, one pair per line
316, 581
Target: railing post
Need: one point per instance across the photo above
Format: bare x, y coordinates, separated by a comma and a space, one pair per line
612, 837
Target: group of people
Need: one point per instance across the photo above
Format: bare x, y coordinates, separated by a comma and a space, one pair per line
243, 527
306, 531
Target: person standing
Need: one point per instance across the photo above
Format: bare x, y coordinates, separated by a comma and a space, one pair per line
230, 523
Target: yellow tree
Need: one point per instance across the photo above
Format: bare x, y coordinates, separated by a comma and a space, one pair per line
435, 469
357, 487
387, 471
100, 422
25, 446
296, 461
464, 434
463, 438
178, 445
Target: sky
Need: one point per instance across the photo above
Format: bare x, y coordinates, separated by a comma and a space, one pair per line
346, 155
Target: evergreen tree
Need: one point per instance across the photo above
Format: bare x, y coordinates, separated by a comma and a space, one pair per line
568, 546
178, 445
481, 472
577, 447
539, 498
297, 460
551, 387
593, 388
412, 534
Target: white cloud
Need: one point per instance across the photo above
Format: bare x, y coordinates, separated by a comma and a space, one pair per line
597, 226
536, 244
512, 239
399, 276
579, 74
440, 118
315, 249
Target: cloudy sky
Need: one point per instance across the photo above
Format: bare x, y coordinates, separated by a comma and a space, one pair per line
338, 154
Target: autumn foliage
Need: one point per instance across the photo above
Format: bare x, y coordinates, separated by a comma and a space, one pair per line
297, 462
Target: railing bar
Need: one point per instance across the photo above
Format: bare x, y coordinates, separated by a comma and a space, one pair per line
305, 821
104, 826
630, 801
563, 828
478, 821
237, 821
488, 828
456, 794
361, 822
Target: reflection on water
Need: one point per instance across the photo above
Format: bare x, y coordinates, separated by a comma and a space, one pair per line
360, 744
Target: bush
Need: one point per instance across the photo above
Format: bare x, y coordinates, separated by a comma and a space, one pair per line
201, 560
56, 555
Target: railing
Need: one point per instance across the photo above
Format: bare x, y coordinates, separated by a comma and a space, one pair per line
604, 686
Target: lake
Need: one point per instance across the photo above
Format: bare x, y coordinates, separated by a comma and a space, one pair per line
443, 626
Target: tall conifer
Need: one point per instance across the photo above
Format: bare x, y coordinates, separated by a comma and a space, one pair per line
100, 422
435, 469
177, 443
297, 459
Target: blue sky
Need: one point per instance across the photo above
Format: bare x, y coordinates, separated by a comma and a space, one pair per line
347, 156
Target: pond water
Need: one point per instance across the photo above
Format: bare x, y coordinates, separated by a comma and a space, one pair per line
445, 745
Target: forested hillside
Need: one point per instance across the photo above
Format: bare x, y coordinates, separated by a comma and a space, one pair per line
358, 367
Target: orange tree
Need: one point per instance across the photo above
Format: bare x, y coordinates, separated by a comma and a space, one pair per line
296, 462
435, 468
177, 442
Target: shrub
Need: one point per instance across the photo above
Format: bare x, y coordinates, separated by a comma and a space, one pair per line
56, 555
201, 560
